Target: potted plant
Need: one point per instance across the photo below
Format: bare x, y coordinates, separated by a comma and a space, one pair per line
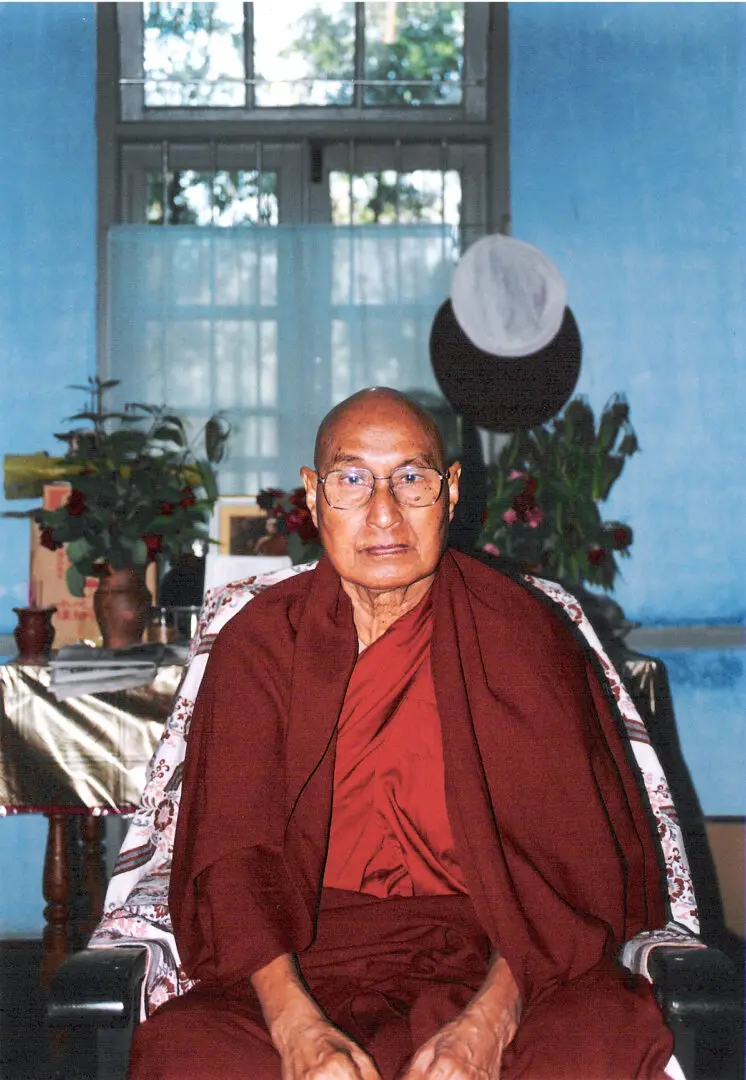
140, 491
543, 511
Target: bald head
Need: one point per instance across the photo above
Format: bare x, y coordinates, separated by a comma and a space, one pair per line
375, 405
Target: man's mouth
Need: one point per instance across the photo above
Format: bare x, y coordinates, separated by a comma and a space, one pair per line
382, 550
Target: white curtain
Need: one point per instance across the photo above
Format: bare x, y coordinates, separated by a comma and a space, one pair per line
275, 325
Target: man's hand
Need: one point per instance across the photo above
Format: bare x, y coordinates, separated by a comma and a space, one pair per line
471, 1046
310, 1047
320, 1051
468, 1048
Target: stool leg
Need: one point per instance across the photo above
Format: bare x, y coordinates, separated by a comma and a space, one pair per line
94, 872
56, 890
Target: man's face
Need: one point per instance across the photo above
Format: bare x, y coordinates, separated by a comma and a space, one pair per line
381, 545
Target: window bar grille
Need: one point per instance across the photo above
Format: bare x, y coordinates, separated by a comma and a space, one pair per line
213, 167
397, 209
248, 54
258, 448
444, 162
358, 88
397, 186
351, 297
351, 176
164, 182
259, 156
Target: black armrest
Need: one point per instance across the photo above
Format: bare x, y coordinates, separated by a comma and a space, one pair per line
98, 987
700, 992
692, 983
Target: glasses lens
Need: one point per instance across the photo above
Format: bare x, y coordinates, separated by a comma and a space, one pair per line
347, 489
415, 486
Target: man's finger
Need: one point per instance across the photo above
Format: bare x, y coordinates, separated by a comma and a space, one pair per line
365, 1066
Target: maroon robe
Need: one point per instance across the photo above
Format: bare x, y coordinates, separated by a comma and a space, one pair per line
549, 825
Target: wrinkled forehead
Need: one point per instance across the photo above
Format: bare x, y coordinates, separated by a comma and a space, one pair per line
360, 435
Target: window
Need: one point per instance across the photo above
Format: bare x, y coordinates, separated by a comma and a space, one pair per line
223, 125
233, 60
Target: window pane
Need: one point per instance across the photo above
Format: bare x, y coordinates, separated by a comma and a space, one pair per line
223, 198
304, 54
194, 54
388, 197
422, 42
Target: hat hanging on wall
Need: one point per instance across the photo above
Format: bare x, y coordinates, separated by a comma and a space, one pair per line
505, 348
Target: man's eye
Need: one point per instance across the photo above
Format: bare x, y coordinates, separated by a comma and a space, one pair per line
409, 477
352, 479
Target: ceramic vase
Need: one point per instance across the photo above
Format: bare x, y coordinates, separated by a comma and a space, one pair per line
121, 604
34, 634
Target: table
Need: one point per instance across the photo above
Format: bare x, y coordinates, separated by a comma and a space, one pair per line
75, 760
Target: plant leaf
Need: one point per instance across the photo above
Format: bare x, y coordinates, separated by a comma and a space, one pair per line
75, 581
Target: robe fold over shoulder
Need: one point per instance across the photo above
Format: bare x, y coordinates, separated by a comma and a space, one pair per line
549, 821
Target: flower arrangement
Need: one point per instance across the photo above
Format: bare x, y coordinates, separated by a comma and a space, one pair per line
294, 522
543, 511
139, 489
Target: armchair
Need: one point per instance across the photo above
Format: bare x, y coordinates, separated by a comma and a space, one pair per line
132, 966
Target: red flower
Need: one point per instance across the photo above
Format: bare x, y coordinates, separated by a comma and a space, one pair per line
597, 556
153, 543
298, 498
188, 498
167, 509
523, 504
76, 503
531, 485
622, 537
301, 522
267, 497
48, 541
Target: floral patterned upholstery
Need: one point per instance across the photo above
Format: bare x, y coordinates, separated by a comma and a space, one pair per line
136, 905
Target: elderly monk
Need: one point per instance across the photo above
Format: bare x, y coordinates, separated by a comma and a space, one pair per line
410, 842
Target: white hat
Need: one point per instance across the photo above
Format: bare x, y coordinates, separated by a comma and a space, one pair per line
508, 297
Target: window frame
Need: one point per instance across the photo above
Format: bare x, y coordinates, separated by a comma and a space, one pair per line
474, 81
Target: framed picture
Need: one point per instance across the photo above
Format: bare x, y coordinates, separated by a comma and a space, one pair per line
237, 524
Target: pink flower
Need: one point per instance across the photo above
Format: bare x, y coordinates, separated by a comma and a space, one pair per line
535, 516
491, 549
510, 517
515, 474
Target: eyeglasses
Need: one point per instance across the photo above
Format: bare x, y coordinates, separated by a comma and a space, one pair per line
410, 485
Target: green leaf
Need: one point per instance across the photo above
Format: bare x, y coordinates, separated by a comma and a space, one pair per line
75, 581
167, 432
217, 430
140, 553
629, 444
78, 550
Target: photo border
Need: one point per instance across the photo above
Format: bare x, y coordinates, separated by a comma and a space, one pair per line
228, 507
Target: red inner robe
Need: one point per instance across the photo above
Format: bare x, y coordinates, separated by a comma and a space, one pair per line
390, 834
555, 881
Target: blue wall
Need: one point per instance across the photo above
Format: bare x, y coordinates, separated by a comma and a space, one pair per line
627, 168
47, 240
47, 303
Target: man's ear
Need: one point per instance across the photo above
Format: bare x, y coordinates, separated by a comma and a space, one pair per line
311, 484
454, 475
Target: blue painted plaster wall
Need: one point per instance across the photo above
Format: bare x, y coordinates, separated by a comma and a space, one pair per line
47, 240
627, 168
47, 304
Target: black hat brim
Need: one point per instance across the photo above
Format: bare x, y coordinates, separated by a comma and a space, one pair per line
499, 393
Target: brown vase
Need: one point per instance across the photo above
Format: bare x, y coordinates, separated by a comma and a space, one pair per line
34, 634
121, 604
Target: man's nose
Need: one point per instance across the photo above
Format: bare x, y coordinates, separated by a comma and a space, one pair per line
383, 509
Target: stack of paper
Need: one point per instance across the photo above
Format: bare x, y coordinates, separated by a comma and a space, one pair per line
80, 669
